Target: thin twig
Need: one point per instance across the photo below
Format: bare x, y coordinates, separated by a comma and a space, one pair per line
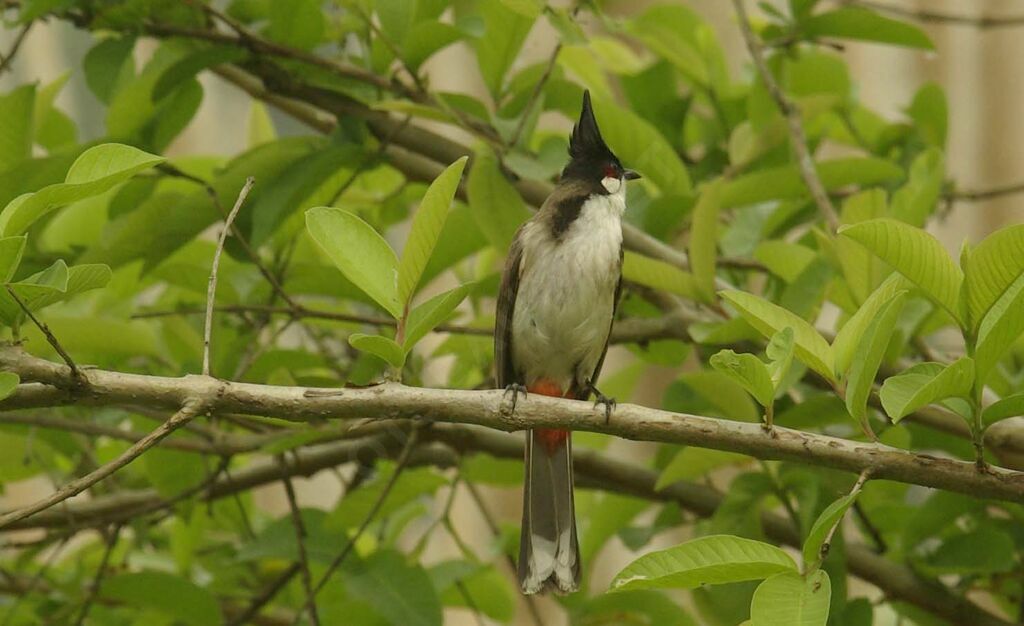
789, 110
211, 292
77, 486
300, 540
256, 605
827, 544
50, 337
940, 18
980, 195
872, 530
5, 60
403, 460
94, 588
537, 89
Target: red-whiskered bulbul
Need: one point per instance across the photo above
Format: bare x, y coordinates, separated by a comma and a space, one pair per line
557, 300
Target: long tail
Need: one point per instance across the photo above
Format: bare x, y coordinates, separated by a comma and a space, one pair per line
549, 555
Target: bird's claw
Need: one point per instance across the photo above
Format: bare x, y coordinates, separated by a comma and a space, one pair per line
609, 405
515, 389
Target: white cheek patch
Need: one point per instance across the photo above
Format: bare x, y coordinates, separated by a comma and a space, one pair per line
611, 184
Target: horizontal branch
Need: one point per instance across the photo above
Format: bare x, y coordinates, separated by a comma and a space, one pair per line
924, 15
487, 408
443, 446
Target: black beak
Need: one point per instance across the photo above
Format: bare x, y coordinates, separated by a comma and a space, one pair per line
631, 175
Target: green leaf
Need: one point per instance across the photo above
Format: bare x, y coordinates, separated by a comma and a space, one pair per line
847, 340
399, 591
860, 268
1010, 406
425, 39
16, 108
504, 34
11, 249
915, 201
930, 113
704, 240
784, 259
54, 284
785, 183
788, 599
426, 228
299, 24
8, 384
924, 384
426, 316
674, 32
769, 318
165, 593
98, 169
1000, 328
488, 590
870, 351
829, 518
107, 64
691, 463
749, 371
362, 255
188, 66
658, 275
780, 355
712, 560
642, 147
865, 25
378, 345
996, 263
982, 551
495, 204
915, 254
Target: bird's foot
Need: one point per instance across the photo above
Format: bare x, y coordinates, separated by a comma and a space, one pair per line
515, 389
609, 403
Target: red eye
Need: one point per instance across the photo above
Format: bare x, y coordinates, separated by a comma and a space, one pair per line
610, 171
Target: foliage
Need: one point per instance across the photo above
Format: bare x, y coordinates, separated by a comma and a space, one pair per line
371, 249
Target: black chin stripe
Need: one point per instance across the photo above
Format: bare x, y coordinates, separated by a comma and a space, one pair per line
566, 213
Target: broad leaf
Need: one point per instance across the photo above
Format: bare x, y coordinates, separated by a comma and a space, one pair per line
504, 33
426, 228
16, 109
422, 319
788, 599
866, 25
704, 240
495, 204
54, 284
780, 355
999, 330
769, 318
785, 183
829, 518
714, 559
1010, 406
996, 263
847, 340
749, 371
11, 249
658, 275
691, 463
915, 254
399, 591
94, 172
8, 384
871, 347
359, 252
380, 346
924, 384
168, 594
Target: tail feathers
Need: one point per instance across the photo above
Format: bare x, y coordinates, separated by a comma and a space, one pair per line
549, 555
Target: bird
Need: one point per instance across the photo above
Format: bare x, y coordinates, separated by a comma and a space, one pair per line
559, 292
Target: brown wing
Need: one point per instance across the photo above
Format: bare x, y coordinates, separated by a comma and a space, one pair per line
581, 390
504, 369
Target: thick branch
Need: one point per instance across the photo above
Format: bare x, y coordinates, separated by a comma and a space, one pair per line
486, 408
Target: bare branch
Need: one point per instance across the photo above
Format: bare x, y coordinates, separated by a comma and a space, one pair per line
981, 195
211, 292
789, 110
486, 408
300, 540
5, 60
101, 570
189, 410
50, 337
935, 17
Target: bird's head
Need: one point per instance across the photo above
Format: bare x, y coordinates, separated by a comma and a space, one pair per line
591, 160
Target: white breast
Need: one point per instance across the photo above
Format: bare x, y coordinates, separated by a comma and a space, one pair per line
565, 302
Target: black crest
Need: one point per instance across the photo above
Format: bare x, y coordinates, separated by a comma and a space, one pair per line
586, 142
